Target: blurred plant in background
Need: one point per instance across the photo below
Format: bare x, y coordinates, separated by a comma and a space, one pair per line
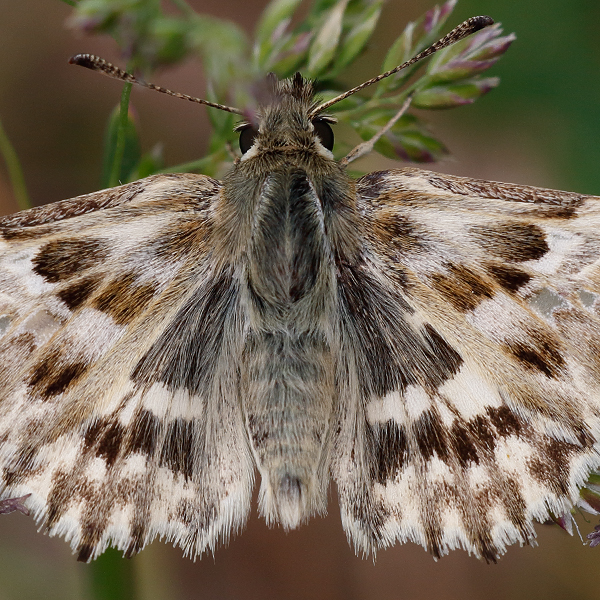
322, 45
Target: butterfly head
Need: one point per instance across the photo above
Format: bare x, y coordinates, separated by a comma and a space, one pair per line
286, 120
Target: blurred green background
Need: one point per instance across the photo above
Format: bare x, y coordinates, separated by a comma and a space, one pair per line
540, 127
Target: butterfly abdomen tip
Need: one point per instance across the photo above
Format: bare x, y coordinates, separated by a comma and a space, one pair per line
291, 494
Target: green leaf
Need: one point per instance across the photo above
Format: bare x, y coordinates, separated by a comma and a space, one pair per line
435, 18
15, 172
416, 36
401, 50
170, 39
317, 11
291, 56
457, 94
150, 163
356, 39
591, 499
121, 144
407, 140
276, 13
457, 70
224, 48
223, 124
470, 56
323, 48
416, 146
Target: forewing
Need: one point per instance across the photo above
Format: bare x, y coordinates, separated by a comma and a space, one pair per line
472, 327
119, 413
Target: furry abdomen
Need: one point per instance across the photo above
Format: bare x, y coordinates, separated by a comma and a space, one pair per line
287, 366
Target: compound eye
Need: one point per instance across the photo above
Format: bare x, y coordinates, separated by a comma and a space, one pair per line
324, 133
247, 135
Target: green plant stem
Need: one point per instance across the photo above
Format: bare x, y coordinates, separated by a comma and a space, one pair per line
15, 172
115, 170
70, 2
112, 577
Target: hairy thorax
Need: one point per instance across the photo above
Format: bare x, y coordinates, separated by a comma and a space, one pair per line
281, 231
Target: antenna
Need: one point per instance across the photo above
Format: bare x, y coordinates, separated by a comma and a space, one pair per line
458, 33
95, 63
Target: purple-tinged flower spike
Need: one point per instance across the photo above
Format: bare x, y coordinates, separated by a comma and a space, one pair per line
589, 500
565, 522
11, 504
594, 537
437, 14
469, 57
457, 94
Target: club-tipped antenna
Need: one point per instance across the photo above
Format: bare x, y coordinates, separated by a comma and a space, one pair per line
463, 30
95, 63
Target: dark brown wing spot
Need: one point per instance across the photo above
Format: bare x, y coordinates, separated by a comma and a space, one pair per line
462, 287
551, 468
396, 233
182, 239
50, 378
512, 241
390, 449
373, 185
110, 443
85, 552
105, 438
487, 549
60, 259
430, 436
144, 432
62, 493
504, 420
463, 444
395, 354
178, 450
538, 353
90, 537
92, 433
186, 354
446, 361
77, 293
378, 321
483, 435
514, 505
22, 468
123, 299
138, 534
509, 277
433, 533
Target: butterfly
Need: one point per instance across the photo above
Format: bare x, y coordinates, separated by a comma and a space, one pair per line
429, 342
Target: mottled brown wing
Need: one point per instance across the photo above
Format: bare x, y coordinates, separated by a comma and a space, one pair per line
113, 323
475, 314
